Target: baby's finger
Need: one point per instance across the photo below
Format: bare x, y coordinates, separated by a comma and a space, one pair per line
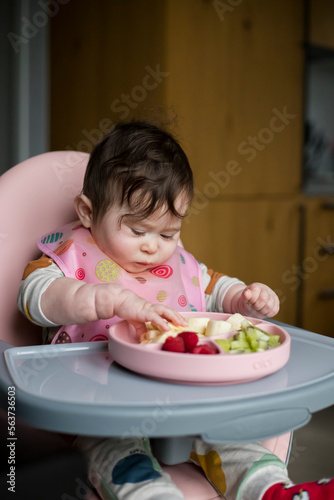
164, 316
267, 307
271, 307
139, 327
252, 293
259, 302
175, 317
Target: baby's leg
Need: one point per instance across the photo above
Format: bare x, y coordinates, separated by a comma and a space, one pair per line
251, 472
124, 468
239, 471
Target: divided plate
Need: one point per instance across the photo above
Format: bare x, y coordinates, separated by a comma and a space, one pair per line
185, 368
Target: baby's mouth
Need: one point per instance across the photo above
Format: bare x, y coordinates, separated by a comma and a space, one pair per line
145, 264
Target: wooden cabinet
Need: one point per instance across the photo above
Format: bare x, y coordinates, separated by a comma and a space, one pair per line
316, 269
236, 82
107, 64
233, 79
254, 240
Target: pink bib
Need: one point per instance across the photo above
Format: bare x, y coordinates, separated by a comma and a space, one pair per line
177, 283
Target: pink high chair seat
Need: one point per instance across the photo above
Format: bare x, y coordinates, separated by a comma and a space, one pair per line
36, 196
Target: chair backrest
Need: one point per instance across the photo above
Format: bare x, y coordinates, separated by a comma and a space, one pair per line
35, 197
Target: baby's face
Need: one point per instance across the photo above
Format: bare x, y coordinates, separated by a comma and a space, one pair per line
139, 245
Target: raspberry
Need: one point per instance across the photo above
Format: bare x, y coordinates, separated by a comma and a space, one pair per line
203, 349
190, 340
174, 344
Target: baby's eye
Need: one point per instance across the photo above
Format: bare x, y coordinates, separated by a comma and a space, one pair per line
167, 236
137, 233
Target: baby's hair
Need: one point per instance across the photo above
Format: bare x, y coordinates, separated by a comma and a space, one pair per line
140, 165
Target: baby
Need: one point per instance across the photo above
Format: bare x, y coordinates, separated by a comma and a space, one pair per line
115, 262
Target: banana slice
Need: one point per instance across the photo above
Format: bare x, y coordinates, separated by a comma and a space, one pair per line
172, 328
197, 325
152, 326
156, 335
236, 321
217, 327
149, 336
163, 336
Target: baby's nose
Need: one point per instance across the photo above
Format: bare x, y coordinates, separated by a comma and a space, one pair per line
149, 246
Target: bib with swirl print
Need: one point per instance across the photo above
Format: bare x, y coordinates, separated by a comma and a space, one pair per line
176, 283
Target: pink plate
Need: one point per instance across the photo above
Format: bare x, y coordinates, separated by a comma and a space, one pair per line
185, 368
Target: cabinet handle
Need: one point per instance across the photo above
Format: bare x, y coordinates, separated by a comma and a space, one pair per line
327, 249
328, 205
326, 294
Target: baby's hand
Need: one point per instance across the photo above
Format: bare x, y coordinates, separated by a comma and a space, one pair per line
259, 301
137, 311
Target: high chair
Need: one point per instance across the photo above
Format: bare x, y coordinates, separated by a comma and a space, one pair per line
37, 196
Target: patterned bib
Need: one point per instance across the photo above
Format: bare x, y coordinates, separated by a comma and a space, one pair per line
177, 283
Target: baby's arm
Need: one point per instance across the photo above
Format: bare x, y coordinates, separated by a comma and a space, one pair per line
49, 299
68, 301
256, 300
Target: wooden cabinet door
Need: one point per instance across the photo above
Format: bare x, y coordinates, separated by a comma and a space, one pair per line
107, 62
254, 240
234, 80
236, 83
317, 267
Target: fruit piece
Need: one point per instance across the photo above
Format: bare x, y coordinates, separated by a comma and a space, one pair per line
149, 336
273, 341
249, 339
245, 323
155, 334
236, 321
187, 342
163, 336
174, 344
225, 344
151, 326
190, 340
198, 325
203, 349
172, 328
217, 328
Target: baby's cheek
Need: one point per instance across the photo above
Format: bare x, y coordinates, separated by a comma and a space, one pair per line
126, 247
167, 249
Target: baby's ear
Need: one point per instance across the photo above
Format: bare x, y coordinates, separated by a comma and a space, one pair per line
84, 209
